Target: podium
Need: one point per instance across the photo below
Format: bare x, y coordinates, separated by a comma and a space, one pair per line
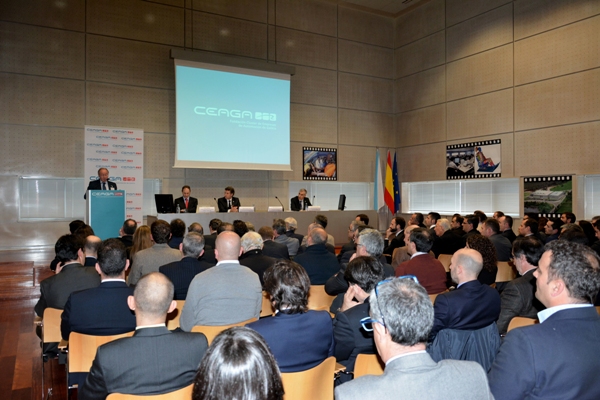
105, 212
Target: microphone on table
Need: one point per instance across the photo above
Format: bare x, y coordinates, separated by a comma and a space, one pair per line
313, 202
282, 207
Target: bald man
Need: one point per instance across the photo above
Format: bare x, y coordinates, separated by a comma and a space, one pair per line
318, 262
92, 244
472, 305
226, 293
154, 360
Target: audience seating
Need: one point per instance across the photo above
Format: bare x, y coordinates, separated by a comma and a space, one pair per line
445, 260
173, 316
267, 307
82, 349
50, 332
318, 299
433, 296
505, 272
314, 384
211, 331
368, 364
181, 394
518, 322
598, 309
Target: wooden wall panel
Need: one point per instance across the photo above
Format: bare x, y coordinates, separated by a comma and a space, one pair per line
461, 10
571, 48
362, 128
63, 15
420, 55
360, 92
422, 126
312, 123
564, 100
365, 27
307, 49
253, 10
373, 61
420, 90
422, 21
308, 15
422, 163
314, 86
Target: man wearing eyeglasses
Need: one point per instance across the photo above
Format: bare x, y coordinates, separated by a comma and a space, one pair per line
401, 318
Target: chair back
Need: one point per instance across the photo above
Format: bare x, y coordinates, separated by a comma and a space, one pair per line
315, 383
211, 331
51, 325
82, 349
173, 316
433, 296
598, 309
505, 272
318, 299
368, 364
480, 345
445, 260
181, 394
267, 308
518, 322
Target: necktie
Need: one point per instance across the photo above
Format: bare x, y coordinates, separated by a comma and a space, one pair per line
186, 202
229, 203
103, 185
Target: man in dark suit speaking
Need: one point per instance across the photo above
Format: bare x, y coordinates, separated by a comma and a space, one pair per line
186, 203
300, 202
154, 360
102, 183
228, 203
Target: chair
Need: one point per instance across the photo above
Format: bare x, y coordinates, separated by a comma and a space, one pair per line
82, 349
267, 307
505, 272
211, 331
368, 364
50, 332
598, 309
518, 322
433, 296
315, 383
445, 260
318, 299
181, 394
173, 316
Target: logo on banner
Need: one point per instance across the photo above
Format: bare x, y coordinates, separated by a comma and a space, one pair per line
97, 130
97, 159
128, 179
97, 145
106, 137
123, 146
129, 138
121, 131
106, 152
134, 194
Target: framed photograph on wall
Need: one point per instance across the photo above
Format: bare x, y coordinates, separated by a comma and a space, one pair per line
319, 164
548, 196
474, 160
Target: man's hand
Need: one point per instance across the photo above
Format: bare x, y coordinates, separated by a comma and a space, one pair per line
349, 298
59, 267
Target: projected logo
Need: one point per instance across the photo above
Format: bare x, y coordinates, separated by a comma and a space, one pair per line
224, 112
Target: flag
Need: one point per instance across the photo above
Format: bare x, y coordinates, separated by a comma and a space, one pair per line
396, 186
389, 185
378, 201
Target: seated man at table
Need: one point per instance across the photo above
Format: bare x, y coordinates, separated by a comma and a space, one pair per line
154, 360
401, 316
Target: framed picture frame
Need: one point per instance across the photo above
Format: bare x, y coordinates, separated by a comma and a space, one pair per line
319, 164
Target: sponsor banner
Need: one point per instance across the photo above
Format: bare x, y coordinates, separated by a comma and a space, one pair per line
121, 151
474, 160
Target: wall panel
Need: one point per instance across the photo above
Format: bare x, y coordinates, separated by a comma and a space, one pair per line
349, 170
312, 123
307, 49
420, 55
54, 14
35, 50
421, 22
365, 27
373, 61
253, 10
460, 10
360, 92
422, 163
361, 128
420, 90
422, 126
307, 15
314, 86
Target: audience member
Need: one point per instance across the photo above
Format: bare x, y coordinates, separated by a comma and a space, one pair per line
518, 297
472, 305
279, 236
181, 272
552, 229
142, 239
250, 226
126, 232
90, 250
456, 225
529, 227
362, 274
318, 262
287, 285
102, 310
364, 218
240, 227
322, 220
401, 318
491, 230
270, 247
470, 224
568, 218
417, 219
588, 230
253, 257
445, 242
574, 236
557, 358
486, 249
596, 245
401, 253
154, 360
73, 226
291, 225
152, 258
506, 223
431, 219
196, 227
177, 233
429, 271
238, 365
213, 226
394, 236
350, 247
232, 291
497, 215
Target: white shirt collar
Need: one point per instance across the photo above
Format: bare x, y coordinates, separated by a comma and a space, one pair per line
227, 262
150, 326
404, 355
113, 280
548, 312
418, 253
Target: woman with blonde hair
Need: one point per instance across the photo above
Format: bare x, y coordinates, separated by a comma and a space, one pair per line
142, 239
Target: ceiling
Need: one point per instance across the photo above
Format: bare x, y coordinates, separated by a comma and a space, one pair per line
388, 7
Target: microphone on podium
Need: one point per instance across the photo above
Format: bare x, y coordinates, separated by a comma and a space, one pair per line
215, 199
282, 207
313, 202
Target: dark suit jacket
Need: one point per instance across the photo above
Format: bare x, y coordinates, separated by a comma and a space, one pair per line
397, 241
330, 248
470, 306
90, 262
192, 204
319, 263
153, 361
429, 271
210, 240
350, 337
181, 274
55, 290
100, 311
557, 359
222, 203
97, 185
293, 234
276, 250
503, 247
518, 300
208, 256
471, 232
257, 262
510, 235
338, 284
298, 341
127, 240
175, 241
295, 203
448, 243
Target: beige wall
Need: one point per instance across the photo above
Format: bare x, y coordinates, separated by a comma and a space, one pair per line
526, 71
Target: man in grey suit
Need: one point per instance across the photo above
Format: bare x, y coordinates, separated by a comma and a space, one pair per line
401, 318
154, 360
150, 260
491, 230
